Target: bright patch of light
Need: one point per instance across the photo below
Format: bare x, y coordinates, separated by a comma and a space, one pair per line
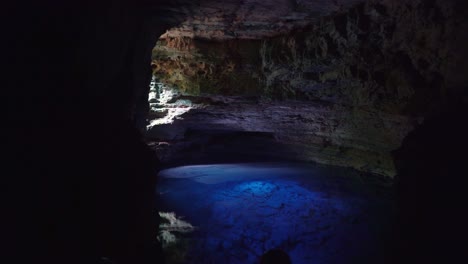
172, 114
174, 224
161, 101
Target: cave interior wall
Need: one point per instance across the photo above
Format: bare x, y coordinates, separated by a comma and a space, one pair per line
363, 74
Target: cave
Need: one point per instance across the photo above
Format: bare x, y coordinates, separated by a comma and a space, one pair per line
274, 131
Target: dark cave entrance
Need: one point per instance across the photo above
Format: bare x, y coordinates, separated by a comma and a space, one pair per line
80, 179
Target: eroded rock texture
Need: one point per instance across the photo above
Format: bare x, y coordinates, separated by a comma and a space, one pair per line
342, 84
250, 19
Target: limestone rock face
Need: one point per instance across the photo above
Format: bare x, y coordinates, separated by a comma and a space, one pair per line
360, 75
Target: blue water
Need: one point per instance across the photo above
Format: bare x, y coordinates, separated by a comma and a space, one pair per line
316, 214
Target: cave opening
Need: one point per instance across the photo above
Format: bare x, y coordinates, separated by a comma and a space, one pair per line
331, 130
286, 137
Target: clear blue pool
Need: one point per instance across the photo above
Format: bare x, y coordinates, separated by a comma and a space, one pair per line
316, 214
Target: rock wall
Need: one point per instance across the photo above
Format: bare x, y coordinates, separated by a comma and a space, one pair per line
394, 56
79, 180
376, 69
197, 66
431, 167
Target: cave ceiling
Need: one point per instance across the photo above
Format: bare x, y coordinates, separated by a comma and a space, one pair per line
247, 19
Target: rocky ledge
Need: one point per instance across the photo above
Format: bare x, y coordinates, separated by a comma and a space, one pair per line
240, 129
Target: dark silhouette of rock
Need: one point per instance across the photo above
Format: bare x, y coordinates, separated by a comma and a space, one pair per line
275, 256
431, 190
80, 181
